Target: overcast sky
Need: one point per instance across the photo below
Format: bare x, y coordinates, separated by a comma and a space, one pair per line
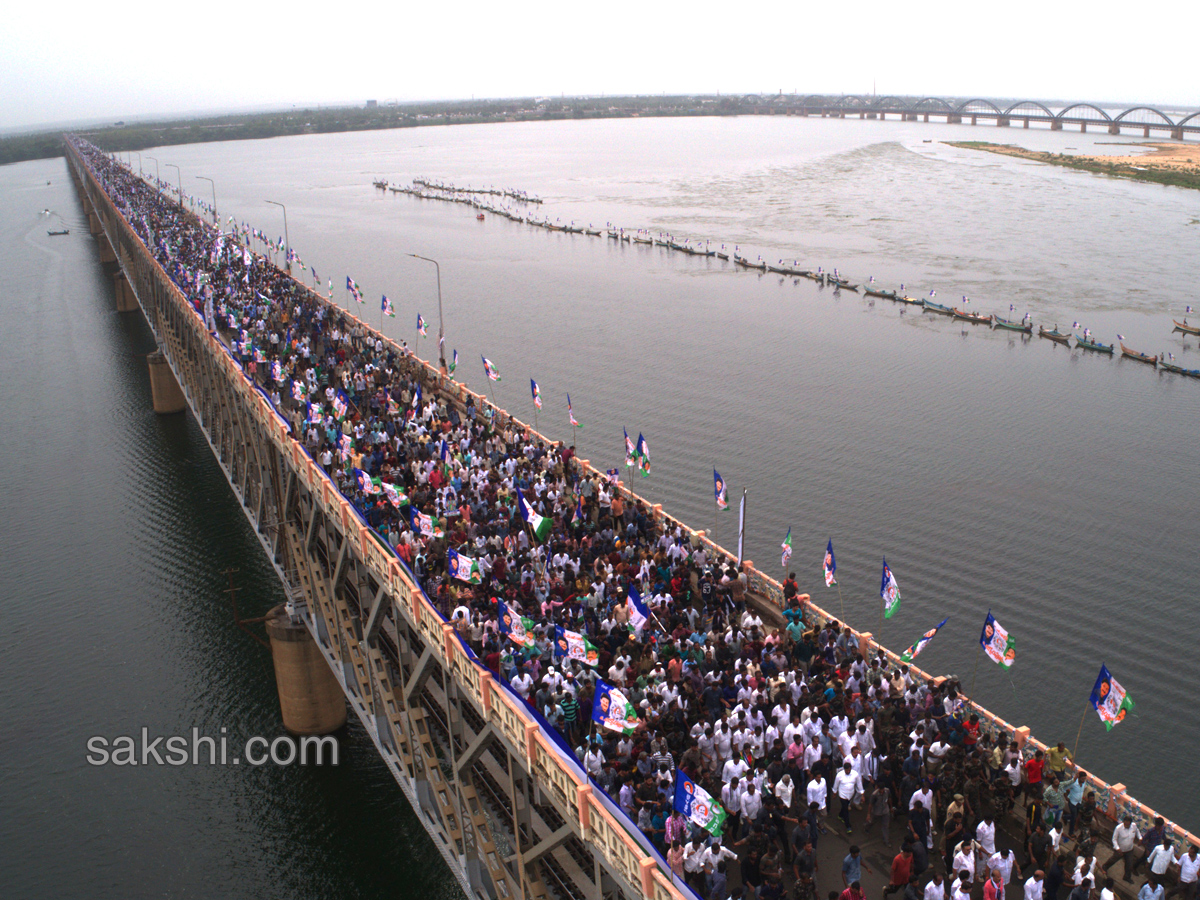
116, 61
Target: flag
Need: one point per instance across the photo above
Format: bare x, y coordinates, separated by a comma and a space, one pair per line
830, 565
912, 652
453, 364
417, 397
464, 568
612, 710
517, 629
425, 524
345, 445
366, 483
537, 393
331, 288
444, 452
1109, 699
696, 805
539, 525
340, 404
614, 475
490, 369
421, 330
574, 645
719, 493
316, 278
276, 371
571, 413
297, 390
889, 592
630, 451
386, 307
643, 455
741, 528
395, 496
997, 643
638, 613
787, 548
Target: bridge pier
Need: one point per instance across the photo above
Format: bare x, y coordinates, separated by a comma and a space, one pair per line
108, 256
1026, 123
1176, 134
165, 393
1114, 128
926, 117
1146, 131
1083, 127
310, 698
952, 119
1056, 125
974, 120
93, 223
126, 299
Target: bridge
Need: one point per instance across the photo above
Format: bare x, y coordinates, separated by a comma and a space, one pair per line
1144, 119
508, 806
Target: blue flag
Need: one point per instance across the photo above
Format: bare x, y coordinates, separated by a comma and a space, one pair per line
719, 490
922, 642
610, 709
697, 805
537, 393
638, 612
830, 565
889, 591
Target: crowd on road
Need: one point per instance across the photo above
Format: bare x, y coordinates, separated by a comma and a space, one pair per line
798, 731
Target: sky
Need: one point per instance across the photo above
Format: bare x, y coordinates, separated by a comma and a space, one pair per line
104, 62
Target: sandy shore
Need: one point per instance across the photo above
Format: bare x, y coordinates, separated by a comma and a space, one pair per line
1162, 156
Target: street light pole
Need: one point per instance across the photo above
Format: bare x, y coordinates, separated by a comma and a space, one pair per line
214, 190
156, 170
178, 173
441, 323
286, 242
139, 155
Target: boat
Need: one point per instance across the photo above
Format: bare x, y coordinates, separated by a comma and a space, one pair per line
1088, 344
56, 232
1170, 366
1054, 335
614, 235
1023, 326
480, 217
841, 283
932, 307
912, 301
381, 184
977, 318
642, 240
1186, 328
876, 292
745, 263
1147, 358
592, 231
722, 255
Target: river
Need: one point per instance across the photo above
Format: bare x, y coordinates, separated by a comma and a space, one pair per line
1056, 488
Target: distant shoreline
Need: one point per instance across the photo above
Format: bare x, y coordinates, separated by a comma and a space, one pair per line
1174, 164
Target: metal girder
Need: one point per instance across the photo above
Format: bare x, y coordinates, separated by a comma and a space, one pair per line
379, 607
467, 758
543, 846
421, 671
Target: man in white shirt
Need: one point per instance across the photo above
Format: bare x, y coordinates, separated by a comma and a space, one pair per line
847, 784
1006, 863
1189, 863
818, 793
936, 888
751, 807
1124, 841
1035, 887
1161, 858
985, 836
734, 768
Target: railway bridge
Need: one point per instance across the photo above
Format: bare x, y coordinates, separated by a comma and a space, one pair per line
507, 804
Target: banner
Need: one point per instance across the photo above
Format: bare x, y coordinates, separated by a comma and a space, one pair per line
697, 805
611, 710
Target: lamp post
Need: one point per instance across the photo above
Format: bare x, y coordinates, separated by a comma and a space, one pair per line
156, 170
441, 324
214, 192
179, 174
286, 242
139, 156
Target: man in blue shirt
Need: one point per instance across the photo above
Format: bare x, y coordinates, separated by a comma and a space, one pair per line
1074, 795
852, 867
1151, 890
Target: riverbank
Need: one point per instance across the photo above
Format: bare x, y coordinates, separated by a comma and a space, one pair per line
1172, 164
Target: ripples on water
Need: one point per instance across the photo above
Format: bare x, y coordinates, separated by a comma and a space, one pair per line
1056, 488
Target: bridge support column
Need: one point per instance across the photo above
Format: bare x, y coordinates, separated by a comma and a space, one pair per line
1146, 131
1176, 134
310, 698
1056, 125
1003, 122
926, 117
1026, 125
107, 254
126, 300
1114, 129
165, 393
93, 223
1083, 127
974, 120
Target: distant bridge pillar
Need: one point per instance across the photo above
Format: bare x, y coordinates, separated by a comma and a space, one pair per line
952, 119
1083, 127
94, 223
974, 120
165, 393
309, 696
882, 116
126, 299
1177, 134
1114, 128
863, 115
107, 254
1146, 131
1056, 125
926, 117
1026, 122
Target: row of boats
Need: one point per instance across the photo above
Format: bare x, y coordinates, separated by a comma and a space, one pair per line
826, 279
512, 193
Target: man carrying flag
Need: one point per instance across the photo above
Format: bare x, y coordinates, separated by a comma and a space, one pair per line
537, 393
719, 492
997, 643
889, 592
491, 371
830, 565
697, 805
787, 548
539, 525
386, 307
1109, 699
912, 652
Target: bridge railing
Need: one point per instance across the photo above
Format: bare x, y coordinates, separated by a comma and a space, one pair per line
520, 731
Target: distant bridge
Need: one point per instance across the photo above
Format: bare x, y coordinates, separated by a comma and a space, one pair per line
909, 109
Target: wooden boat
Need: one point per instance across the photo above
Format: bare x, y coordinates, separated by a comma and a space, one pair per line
722, 255
591, 231
841, 283
642, 240
572, 230
382, 185
876, 292
1170, 366
977, 318
1088, 344
614, 235
1023, 326
759, 266
911, 301
1054, 335
57, 232
779, 270
1140, 357
932, 307
480, 217
1186, 328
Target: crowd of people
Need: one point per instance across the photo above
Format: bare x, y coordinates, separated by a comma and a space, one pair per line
793, 727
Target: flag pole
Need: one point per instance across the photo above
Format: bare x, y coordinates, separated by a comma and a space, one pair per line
715, 508
841, 605
975, 674
1075, 752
